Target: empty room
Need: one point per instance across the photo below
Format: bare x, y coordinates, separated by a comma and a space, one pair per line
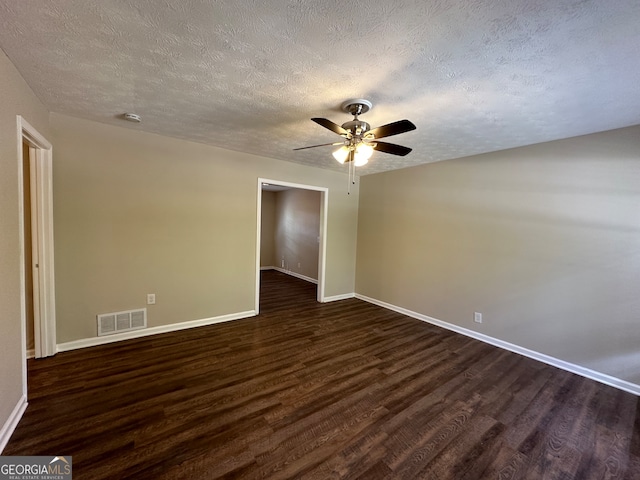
291, 239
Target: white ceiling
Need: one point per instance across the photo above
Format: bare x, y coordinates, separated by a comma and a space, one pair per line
473, 75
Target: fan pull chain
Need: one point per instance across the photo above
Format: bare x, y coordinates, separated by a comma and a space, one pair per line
352, 176
350, 166
349, 179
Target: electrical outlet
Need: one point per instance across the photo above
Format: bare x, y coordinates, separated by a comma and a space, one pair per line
477, 317
151, 298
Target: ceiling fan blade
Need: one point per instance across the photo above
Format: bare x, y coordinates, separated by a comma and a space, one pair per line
391, 148
395, 128
321, 145
334, 127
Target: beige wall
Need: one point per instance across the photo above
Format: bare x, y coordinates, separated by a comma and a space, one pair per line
137, 213
289, 231
543, 240
268, 229
16, 98
297, 231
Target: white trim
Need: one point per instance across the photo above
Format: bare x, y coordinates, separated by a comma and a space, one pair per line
174, 327
322, 254
31, 353
297, 275
48, 320
31, 134
335, 298
41, 160
322, 250
256, 298
12, 422
36, 241
541, 357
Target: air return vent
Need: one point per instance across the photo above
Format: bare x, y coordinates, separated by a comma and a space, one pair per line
117, 322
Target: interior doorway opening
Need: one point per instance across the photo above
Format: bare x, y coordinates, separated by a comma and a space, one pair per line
298, 232
36, 243
29, 302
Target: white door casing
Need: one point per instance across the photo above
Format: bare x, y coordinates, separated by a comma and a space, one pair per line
40, 153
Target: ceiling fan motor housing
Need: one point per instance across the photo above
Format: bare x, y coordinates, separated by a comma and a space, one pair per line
356, 127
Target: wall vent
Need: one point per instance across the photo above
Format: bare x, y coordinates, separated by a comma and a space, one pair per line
117, 322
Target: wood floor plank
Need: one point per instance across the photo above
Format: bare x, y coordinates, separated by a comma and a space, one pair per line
343, 390
507, 464
474, 438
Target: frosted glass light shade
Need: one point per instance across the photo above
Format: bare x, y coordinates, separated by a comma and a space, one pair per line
362, 154
341, 154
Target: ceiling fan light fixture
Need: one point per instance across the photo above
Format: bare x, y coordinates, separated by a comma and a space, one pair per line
341, 154
359, 140
362, 154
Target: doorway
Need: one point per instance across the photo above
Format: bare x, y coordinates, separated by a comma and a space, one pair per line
321, 236
28, 250
36, 243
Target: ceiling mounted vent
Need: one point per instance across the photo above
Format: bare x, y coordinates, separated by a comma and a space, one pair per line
118, 322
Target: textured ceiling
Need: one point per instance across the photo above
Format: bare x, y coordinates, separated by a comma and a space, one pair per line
473, 75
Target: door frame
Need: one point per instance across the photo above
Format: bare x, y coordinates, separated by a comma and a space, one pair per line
41, 171
322, 250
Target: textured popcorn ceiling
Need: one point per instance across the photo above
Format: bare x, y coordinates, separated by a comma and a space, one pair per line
473, 75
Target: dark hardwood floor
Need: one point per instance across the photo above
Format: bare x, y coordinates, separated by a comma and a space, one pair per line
307, 390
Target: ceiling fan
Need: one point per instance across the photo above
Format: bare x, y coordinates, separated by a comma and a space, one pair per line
359, 139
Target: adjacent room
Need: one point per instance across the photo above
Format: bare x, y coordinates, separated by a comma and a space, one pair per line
321, 240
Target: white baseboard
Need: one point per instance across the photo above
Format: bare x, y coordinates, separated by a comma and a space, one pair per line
541, 357
31, 353
12, 422
118, 337
293, 274
335, 298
